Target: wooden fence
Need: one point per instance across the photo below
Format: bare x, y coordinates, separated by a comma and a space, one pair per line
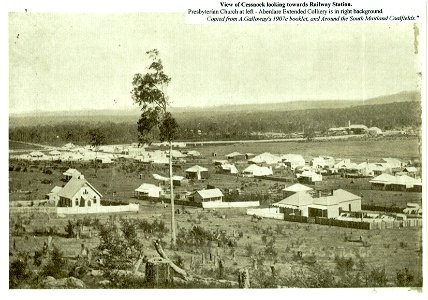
230, 204
270, 213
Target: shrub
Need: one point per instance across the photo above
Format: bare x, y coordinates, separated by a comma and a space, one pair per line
404, 278
19, 270
344, 265
57, 266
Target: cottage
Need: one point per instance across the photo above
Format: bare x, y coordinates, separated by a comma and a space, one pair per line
71, 173
293, 160
255, 170
265, 158
322, 162
319, 205
332, 205
197, 173
147, 190
79, 192
396, 183
392, 162
208, 195
228, 169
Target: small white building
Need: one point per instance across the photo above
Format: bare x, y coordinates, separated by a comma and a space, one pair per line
197, 172
255, 170
265, 158
229, 169
293, 160
212, 195
148, 190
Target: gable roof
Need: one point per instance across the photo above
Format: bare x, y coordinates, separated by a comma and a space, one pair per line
297, 199
383, 178
337, 197
55, 190
265, 157
211, 193
233, 154
71, 172
196, 168
148, 187
73, 186
297, 187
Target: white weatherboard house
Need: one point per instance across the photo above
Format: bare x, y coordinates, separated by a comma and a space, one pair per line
148, 190
329, 206
293, 160
265, 158
79, 192
212, 195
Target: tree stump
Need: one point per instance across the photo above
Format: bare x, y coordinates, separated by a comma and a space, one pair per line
158, 272
243, 279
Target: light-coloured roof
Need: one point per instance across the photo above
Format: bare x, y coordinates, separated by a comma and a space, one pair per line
295, 200
196, 169
266, 157
54, 152
177, 177
71, 172
410, 169
160, 177
73, 186
55, 190
211, 193
36, 153
383, 178
297, 187
148, 187
233, 154
337, 197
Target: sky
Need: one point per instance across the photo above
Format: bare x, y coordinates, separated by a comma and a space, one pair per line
61, 61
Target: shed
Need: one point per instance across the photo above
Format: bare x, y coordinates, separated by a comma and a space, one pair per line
197, 172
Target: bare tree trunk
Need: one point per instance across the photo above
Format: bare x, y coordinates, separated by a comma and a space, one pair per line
173, 236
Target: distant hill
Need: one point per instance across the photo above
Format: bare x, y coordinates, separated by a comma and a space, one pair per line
131, 115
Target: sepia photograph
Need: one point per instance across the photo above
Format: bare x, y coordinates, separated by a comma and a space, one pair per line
148, 153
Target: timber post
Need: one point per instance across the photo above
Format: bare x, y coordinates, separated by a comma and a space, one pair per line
158, 272
243, 279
